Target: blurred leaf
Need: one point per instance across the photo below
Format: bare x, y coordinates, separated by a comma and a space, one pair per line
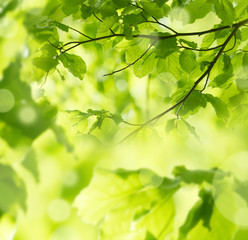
195, 176
12, 189
47, 60
202, 210
27, 119
110, 189
30, 163
245, 62
117, 118
219, 106
7, 6
191, 129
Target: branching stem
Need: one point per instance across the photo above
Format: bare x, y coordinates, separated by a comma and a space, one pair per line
206, 73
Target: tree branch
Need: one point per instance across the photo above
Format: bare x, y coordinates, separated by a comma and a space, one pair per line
182, 101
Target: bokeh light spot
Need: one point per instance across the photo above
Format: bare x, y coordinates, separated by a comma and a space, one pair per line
59, 210
70, 178
27, 115
7, 100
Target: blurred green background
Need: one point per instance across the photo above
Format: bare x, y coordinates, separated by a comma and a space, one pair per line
46, 158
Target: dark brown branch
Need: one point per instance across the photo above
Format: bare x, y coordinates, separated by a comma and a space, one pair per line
206, 83
156, 118
154, 37
131, 64
234, 44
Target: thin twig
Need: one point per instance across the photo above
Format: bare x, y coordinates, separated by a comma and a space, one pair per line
131, 64
100, 20
179, 109
156, 118
44, 80
199, 49
79, 32
206, 83
155, 37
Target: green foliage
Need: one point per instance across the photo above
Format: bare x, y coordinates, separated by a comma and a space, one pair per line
13, 188
184, 59
74, 64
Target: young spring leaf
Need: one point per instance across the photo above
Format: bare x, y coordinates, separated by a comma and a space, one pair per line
165, 47
225, 11
74, 64
187, 60
219, 106
47, 60
198, 9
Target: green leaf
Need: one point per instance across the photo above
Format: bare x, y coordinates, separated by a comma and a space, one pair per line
134, 52
47, 60
191, 129
61, 26
121, 3
219, 106
12, 189
189, 43
187, 60
105, 192
198, 9
195, 176
74, 64
117, 118
225, 11
151, 8
170, 125
96, 124
27, 119
110, 192
166, 47
150, 236
30, 163
145, 65
245, 62
242, 83
9, 6
133, 19
241, 8
97, 112
202, 210
195, 101
86, 11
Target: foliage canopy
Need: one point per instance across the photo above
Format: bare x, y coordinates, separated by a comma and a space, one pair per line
89, 76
